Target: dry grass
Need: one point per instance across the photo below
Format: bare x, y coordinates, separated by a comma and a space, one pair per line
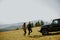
35, 35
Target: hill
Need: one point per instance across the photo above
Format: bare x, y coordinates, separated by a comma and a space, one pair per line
35, 35
14, 26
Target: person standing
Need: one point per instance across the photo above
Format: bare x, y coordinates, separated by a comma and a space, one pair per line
29, 26
24, 28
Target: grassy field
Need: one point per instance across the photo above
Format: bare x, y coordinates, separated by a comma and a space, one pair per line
35, 35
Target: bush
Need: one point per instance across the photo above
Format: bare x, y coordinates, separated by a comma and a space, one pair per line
42, 23
17, 28
37, 23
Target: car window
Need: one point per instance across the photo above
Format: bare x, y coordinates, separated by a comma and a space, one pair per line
55, 22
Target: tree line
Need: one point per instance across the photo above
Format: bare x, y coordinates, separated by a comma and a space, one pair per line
37, 24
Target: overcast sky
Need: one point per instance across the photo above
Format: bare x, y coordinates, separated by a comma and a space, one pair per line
15, 11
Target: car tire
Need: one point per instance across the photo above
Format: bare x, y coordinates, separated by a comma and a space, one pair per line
44, 32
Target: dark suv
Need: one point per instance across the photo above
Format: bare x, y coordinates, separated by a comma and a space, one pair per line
54, 26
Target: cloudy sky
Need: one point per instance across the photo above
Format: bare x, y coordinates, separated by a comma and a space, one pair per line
14, 11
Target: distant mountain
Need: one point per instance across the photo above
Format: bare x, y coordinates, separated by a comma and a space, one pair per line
10, 26
14, 26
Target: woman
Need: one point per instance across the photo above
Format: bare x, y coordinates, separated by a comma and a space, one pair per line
24, 28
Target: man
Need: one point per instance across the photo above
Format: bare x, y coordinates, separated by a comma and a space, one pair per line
29, 26
24, 28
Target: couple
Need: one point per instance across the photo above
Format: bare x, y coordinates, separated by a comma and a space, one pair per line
29, 27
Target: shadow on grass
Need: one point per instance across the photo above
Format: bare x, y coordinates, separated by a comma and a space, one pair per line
50, 34
35, 36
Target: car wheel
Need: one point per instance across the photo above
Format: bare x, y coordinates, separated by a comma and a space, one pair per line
44, 32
